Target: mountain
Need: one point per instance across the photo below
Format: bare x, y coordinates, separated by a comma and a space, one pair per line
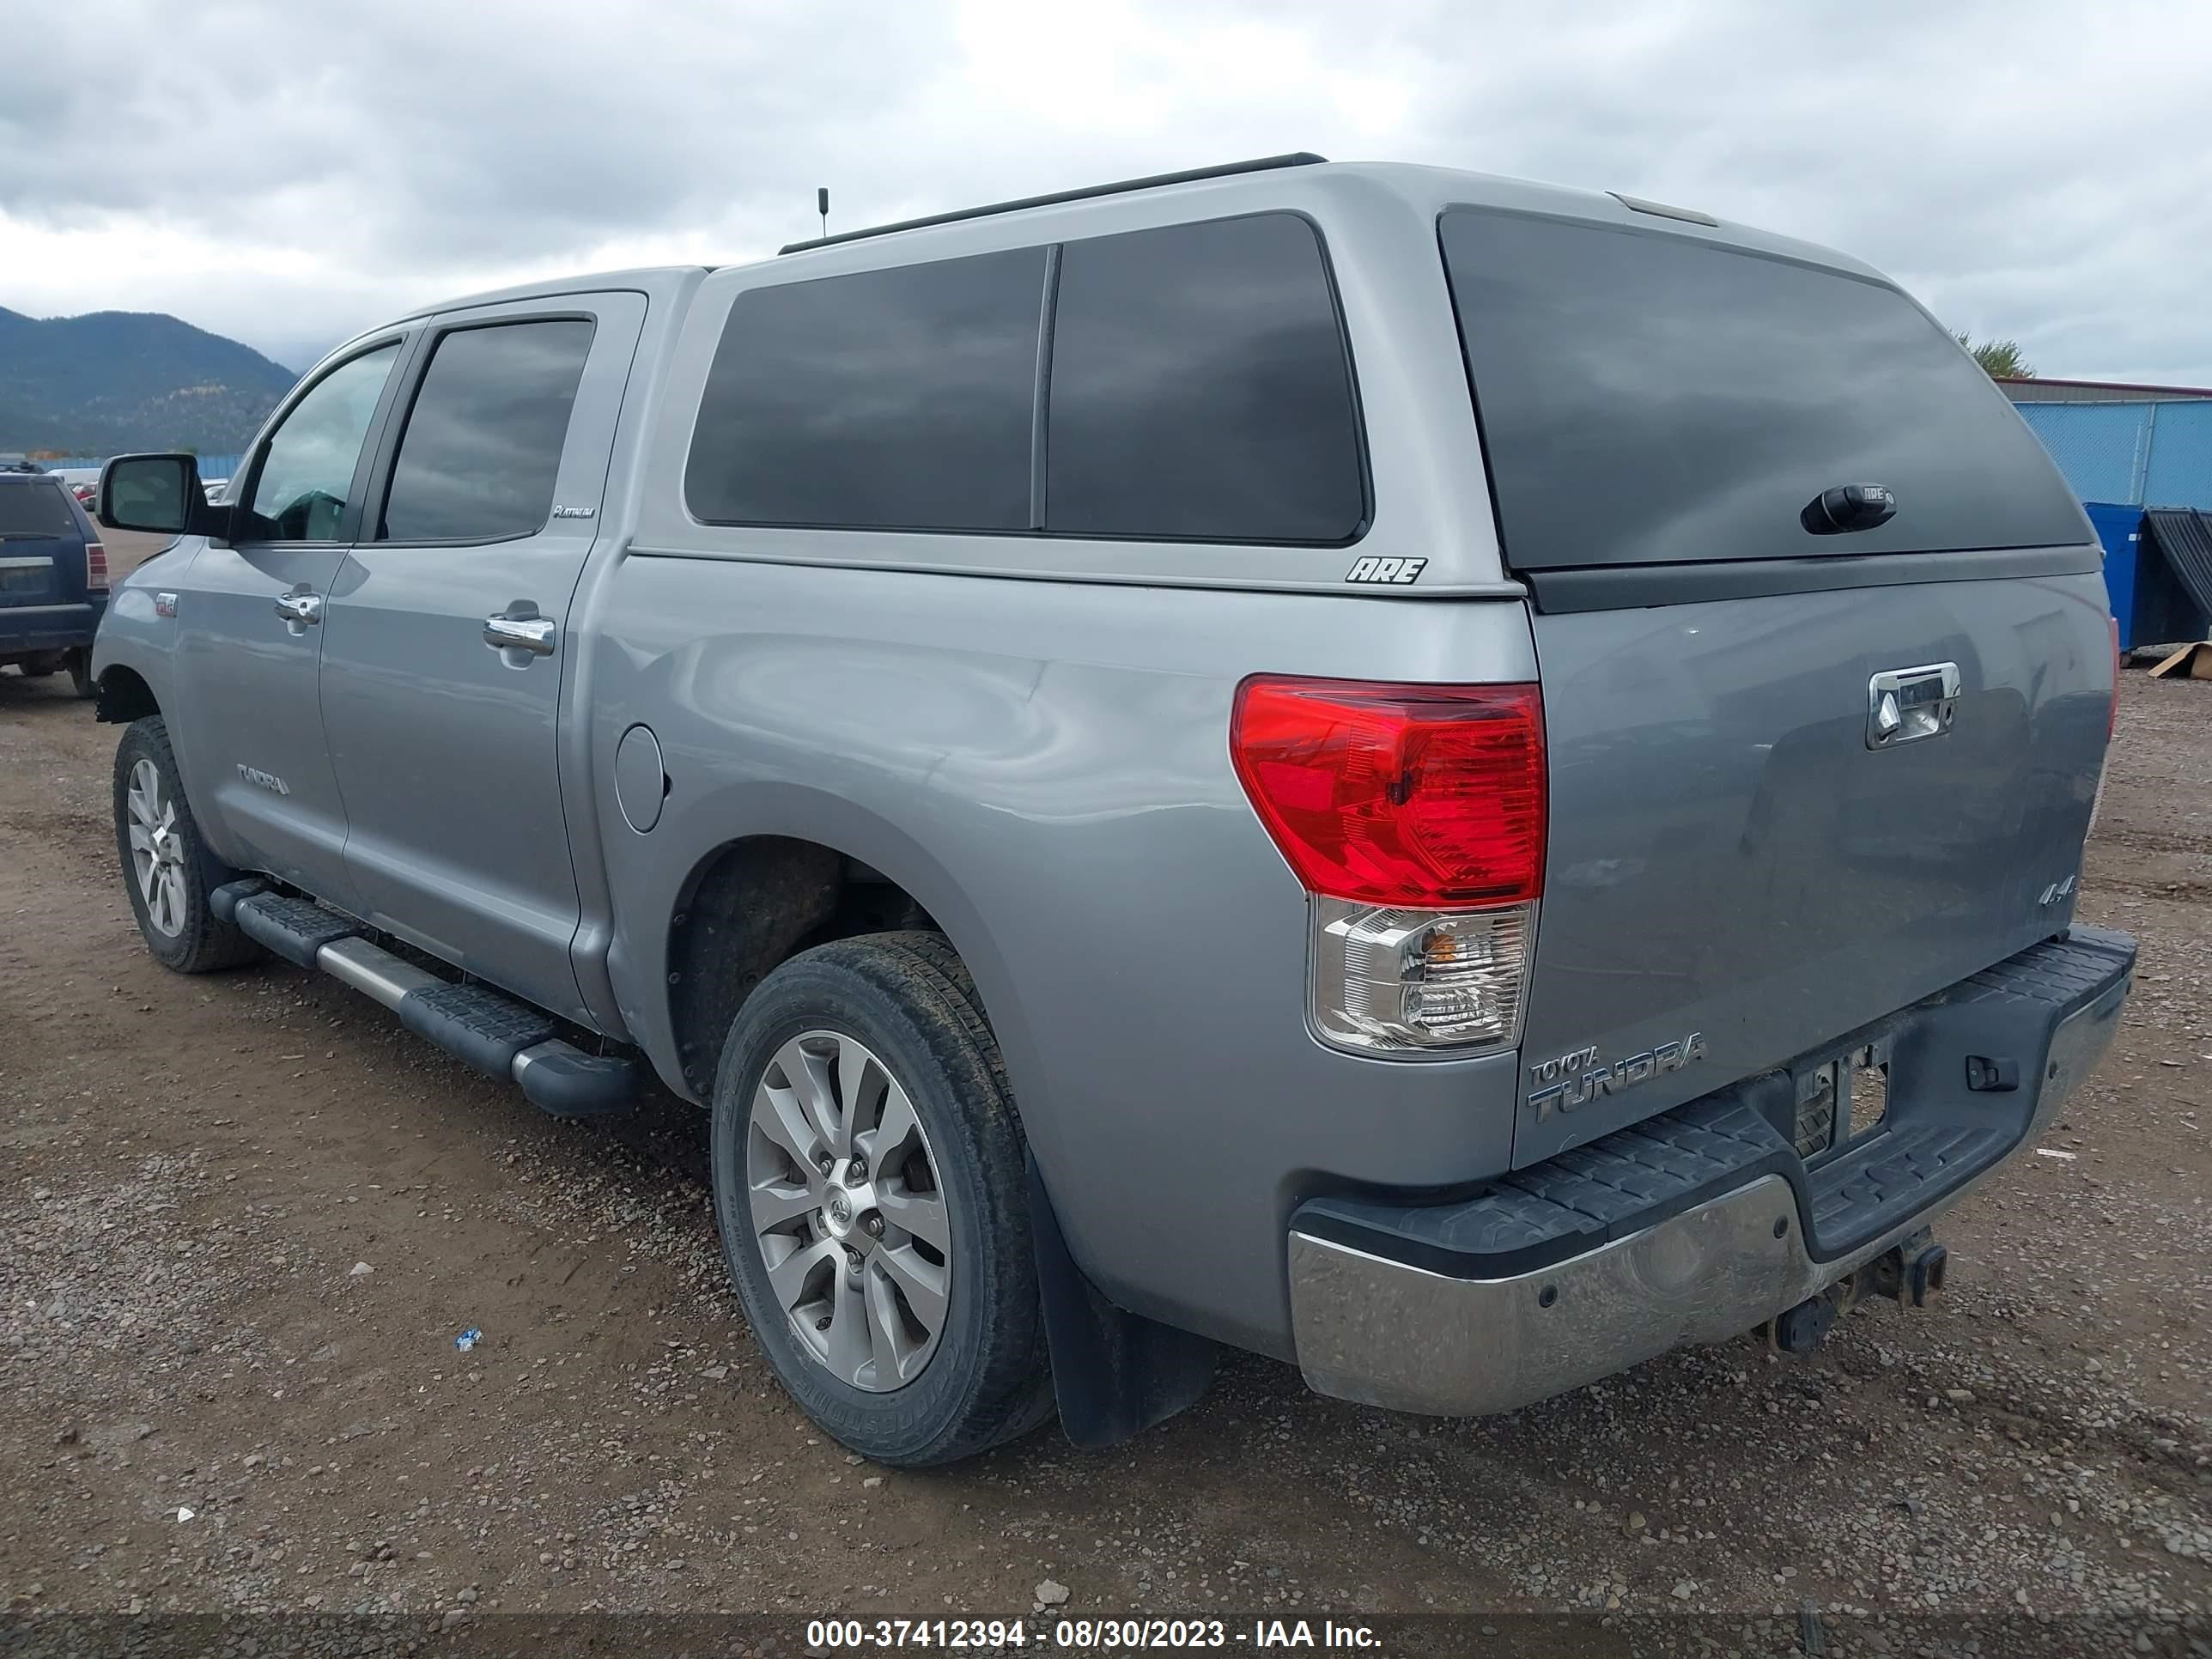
115, 380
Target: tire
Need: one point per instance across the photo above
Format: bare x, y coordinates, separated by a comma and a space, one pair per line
173, 917
902, 1002
36, 668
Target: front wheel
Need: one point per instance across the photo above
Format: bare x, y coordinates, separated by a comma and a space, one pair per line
167, 867
870, 1184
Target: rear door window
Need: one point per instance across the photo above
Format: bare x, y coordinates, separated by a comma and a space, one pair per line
1646, 396
899, 398
483, 440
1200, 389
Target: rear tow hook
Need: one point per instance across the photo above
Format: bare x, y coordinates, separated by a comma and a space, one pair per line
1909, 1272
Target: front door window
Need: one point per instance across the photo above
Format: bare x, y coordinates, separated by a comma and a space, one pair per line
306, 473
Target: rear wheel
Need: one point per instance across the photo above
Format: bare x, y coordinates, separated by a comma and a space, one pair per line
870, 1183
165, 866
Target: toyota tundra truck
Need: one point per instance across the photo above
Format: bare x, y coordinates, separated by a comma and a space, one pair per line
1457, 782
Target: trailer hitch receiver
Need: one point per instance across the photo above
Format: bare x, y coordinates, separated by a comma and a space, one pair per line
1911, 1272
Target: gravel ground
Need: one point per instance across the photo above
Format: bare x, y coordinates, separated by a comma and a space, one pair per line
246, 1216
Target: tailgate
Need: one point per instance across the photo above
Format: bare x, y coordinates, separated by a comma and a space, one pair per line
1733, 869
1825, 657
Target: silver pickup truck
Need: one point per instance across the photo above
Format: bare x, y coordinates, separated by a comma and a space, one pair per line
1453, 781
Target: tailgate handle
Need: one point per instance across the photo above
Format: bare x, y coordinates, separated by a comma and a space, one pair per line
1904, 705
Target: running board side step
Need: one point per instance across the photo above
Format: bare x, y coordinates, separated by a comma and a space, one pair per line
499, 1036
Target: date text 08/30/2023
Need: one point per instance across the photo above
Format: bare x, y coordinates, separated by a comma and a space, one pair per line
1085, 1634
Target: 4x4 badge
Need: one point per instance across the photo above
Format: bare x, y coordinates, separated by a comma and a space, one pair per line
1396, 571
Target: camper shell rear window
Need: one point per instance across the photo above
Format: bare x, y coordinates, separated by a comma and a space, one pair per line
1651, 397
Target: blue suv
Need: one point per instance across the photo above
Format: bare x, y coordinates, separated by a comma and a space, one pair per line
53, 578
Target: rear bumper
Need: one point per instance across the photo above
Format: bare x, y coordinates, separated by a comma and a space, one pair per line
1700, 1224
27, 630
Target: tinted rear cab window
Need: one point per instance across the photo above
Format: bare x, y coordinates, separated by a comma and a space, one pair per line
1648, 397
34, 508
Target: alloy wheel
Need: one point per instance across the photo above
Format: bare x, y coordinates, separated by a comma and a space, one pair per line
848, 1212
157, 849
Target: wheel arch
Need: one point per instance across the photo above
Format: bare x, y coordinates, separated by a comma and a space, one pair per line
733, 824
124, 697
1115, 1372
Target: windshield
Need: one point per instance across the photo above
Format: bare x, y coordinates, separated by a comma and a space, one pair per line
1648, 397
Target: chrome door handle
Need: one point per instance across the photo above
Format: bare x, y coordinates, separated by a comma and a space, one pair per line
301, 606
530, 634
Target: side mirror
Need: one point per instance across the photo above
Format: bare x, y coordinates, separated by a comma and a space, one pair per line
160, 493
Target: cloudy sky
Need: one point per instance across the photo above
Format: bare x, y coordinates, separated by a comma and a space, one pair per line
289, 172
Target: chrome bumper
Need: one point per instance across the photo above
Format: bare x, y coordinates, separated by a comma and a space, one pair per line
1396, 1334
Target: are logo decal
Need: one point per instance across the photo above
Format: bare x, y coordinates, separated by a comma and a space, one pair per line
1398, 573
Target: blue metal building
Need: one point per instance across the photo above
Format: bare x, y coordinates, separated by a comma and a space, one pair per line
2141, 459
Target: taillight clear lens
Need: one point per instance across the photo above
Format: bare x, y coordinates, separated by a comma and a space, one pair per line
1406, 795
1393, 980
95, 568
1414, 815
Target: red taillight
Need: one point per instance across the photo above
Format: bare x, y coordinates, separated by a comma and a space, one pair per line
1423, 796
2113, 712
95, 568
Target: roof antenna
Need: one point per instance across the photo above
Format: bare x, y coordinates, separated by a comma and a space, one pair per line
822, 207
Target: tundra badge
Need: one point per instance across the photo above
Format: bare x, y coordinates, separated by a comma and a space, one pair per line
259, 779
1572, 1080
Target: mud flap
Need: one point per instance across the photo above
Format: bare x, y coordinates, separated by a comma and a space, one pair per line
1115, 1374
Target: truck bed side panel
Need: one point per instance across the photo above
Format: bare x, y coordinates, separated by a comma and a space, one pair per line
1048, 774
